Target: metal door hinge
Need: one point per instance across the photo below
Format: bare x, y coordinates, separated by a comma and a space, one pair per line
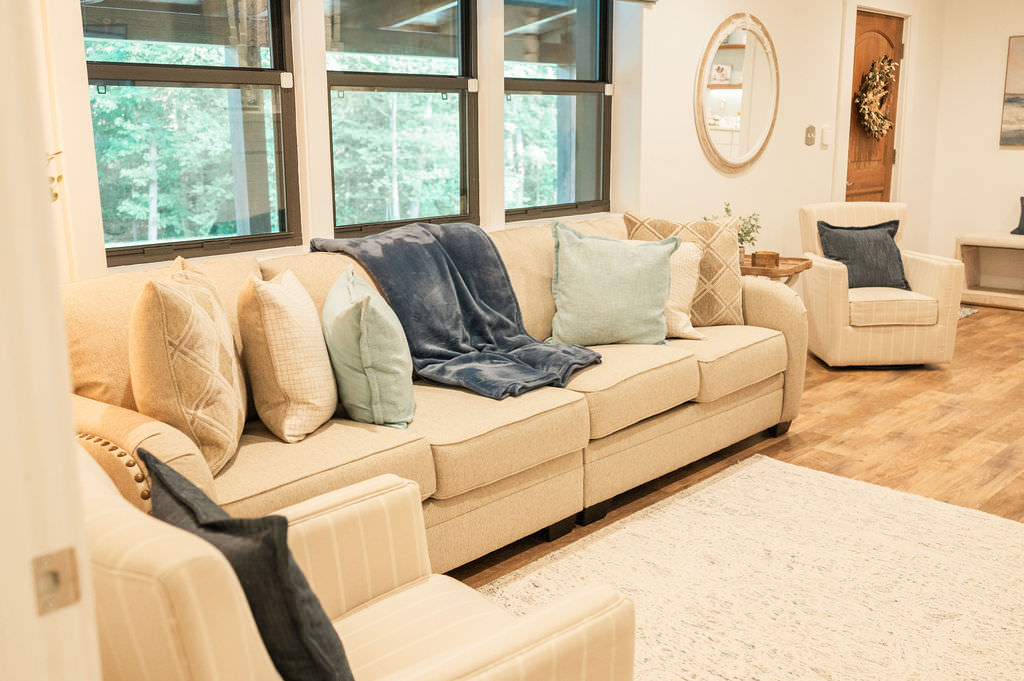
56, 578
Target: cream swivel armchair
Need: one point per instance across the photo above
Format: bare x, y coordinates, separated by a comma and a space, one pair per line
169, 607
876, 325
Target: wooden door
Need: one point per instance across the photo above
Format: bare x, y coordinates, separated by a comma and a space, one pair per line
869, 168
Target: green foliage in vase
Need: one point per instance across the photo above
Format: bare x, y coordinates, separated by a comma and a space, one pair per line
750, 225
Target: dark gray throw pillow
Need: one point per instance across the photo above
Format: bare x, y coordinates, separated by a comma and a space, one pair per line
870, 254
295, 630
1020, 226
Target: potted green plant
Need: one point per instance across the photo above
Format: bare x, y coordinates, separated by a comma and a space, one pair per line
750, 226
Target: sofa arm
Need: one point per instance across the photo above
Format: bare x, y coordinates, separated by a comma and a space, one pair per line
587, 635
935, 276
111, 435
359, 542
773, 305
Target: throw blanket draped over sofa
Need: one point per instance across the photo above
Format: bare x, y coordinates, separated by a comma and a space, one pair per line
450, 290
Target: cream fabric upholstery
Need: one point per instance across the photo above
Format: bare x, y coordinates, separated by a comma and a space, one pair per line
476, 440
286, 357
665, 442
169, 607
633, 382
317, 272
268, 475
734, 357
881, 306
473, 524
773, 305
97, 315
884, 334
104, 427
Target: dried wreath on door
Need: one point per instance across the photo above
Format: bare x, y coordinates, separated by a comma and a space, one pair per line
874, 89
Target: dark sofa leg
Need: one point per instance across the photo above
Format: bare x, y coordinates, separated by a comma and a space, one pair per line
591, 514
559, 529
780, 429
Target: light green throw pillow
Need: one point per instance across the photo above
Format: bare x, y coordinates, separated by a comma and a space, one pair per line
369, 353
609, 290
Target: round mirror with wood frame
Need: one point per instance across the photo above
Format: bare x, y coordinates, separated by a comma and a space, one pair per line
736, 93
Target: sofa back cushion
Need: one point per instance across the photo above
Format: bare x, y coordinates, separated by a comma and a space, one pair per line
317, 272
97, 314
529, 256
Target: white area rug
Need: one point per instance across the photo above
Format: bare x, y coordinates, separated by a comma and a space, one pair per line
966, 312
774, 572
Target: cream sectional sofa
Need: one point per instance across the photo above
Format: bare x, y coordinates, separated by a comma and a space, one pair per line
489, 472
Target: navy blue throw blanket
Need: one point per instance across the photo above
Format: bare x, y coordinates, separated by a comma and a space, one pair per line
450, 290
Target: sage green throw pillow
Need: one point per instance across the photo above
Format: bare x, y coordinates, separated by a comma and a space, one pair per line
609, 290
369, 353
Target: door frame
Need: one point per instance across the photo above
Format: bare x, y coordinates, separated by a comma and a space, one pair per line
843, 107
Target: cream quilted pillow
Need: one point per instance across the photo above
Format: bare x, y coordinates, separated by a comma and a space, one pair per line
286, 357
183, 365
718, 298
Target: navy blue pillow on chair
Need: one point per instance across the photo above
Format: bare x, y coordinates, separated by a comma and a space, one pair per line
870, 254
295, 630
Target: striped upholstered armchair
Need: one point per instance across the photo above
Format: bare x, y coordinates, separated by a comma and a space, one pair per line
170, 608
877, 325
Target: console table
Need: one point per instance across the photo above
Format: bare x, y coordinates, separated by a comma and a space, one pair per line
993, 269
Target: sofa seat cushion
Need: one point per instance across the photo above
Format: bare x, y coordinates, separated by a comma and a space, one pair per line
633, 382
734, 357
477, 440
403, 629
882, 306
268, 474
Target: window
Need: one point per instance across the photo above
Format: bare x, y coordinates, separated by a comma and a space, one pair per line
194, 132
403, 112
557, 106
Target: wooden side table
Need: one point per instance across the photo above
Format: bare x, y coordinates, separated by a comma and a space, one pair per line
787, 271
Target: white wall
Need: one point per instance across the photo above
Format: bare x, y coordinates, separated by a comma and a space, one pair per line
978, 185
814, 43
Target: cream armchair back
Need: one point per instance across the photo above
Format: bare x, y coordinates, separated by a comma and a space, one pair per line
169, 607
876, 325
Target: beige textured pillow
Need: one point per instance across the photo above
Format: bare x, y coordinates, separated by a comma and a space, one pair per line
183, 365
285, 354
718, 299
685, 269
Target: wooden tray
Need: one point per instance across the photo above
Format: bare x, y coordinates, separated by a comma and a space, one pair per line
787, 267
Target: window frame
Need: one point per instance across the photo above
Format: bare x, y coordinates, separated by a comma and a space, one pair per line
465, 85
553, 86
288, 174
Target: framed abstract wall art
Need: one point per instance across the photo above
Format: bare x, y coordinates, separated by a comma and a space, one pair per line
1011, 133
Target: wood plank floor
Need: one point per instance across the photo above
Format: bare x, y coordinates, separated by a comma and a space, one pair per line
953, 433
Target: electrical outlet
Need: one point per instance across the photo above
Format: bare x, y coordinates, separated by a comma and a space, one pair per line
809, 136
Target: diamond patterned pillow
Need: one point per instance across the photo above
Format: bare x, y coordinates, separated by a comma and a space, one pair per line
183, 365
718, 299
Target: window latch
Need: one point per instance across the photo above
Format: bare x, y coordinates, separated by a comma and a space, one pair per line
287, 81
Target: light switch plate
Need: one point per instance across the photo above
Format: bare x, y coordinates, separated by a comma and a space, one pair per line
809, 135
